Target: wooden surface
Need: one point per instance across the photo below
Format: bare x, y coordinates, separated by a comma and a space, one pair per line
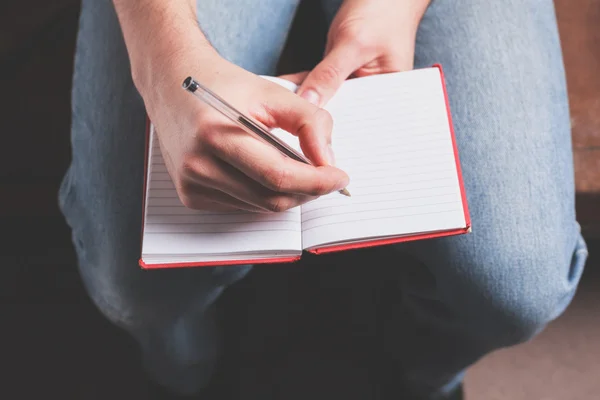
579, 24
580, 34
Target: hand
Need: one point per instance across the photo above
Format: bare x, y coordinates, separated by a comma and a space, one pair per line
217, 166
366, 37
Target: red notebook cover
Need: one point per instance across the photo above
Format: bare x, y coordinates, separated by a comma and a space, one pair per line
330, 249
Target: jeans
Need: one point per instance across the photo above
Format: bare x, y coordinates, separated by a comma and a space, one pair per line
466, 296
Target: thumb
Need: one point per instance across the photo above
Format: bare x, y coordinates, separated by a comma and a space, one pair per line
325, 79
296, 78
311, 124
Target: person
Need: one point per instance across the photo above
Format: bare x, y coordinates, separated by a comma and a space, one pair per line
496, 287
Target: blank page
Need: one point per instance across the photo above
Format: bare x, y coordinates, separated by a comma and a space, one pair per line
175, 233
392, 136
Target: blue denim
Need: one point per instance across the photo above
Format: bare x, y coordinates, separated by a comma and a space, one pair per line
466, 296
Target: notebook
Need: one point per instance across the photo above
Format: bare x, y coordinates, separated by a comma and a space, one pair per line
392, 135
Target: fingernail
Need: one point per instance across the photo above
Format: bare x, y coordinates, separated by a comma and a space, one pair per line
330, 155
342, 185
311, 96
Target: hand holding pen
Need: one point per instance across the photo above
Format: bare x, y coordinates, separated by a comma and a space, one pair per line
215, 165
246, 123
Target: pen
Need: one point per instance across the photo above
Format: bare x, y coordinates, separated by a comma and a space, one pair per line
244, 122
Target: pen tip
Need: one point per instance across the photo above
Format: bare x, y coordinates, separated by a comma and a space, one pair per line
345, 192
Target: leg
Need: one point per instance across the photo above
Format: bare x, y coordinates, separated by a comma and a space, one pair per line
500, 285
168, 312
519, 269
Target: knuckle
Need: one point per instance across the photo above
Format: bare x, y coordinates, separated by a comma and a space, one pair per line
188, 166
277, 204
345, 31
195, 200
187, 200
207, 135
210, 138
324, 120
363, 42
192, 166
358, 37
329, 72
321, 188
187, 193
185, 187
277, 179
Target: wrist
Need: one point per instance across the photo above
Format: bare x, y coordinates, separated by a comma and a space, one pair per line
157, 35
168, 60
418, 8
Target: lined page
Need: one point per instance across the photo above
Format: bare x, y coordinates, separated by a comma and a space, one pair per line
392, 136
172, 229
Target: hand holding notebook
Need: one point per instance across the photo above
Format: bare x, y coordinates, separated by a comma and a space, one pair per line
393, 136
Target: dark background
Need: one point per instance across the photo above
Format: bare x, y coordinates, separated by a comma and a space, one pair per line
53, 341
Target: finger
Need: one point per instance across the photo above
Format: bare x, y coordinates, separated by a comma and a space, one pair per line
296, 78
311, 124
326, 78
276, 172
203, 198
218, 178
203, 204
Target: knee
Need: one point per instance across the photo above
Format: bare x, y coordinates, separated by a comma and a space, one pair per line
514, 296
511, 316
134, 299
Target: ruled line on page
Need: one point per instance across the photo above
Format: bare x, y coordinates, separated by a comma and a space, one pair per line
203, 229
157, 209
224, 233
376, 184
172, 228
354, 212
381, 218
221, 219
356, 204
411, 177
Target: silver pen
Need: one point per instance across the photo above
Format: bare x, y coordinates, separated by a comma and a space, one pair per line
244, 122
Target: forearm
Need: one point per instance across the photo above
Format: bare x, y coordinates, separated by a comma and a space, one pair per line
418, 8
155, 31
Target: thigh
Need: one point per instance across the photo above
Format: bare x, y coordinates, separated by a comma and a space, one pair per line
508, 98
101, 194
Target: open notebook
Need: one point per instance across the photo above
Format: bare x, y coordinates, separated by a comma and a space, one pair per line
393, 136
